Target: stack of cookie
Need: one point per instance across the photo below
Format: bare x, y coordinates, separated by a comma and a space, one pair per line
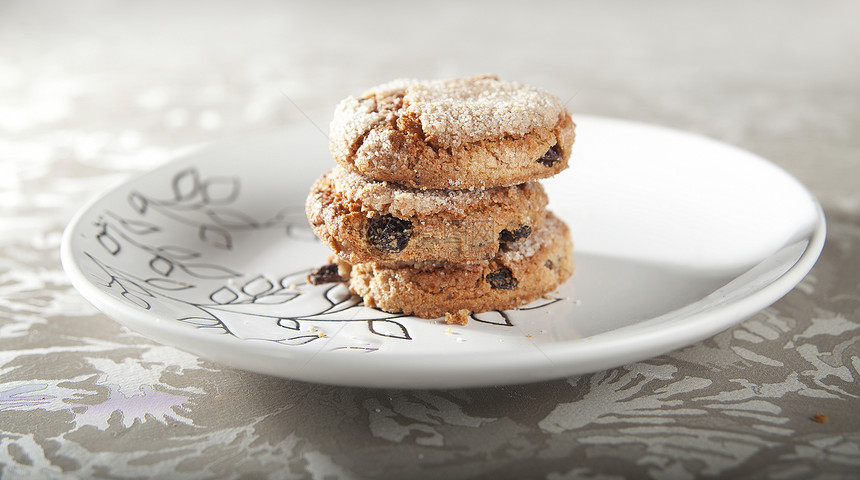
434, 207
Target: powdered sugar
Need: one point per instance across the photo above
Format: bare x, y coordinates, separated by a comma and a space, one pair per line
451, 112
410, 202
464, 110
518, 251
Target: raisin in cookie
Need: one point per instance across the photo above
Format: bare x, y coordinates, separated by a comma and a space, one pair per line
460, 133
520, 273
364, 220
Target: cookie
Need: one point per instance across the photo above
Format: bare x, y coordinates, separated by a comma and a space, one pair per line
459, 133
520, 273
364, 220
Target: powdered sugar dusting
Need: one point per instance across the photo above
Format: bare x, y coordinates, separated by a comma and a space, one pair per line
355, 117
451, 112
464, 110
394, 87
352, 120
409, 202
518, 251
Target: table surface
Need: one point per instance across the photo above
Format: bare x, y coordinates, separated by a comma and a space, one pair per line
95, 92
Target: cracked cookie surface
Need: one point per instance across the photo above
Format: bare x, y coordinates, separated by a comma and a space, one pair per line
455, 134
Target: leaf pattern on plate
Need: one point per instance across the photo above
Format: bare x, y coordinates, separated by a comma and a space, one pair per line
235, 299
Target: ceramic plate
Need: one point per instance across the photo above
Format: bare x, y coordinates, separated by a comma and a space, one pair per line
677, 238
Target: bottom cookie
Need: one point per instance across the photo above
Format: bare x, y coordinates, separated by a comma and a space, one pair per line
520, 273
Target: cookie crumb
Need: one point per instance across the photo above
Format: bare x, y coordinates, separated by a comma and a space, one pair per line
819, 418
325, 274
459, 318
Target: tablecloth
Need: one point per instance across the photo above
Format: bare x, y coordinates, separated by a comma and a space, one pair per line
95, 92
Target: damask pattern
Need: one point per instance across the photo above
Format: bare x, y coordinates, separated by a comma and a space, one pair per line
90, 95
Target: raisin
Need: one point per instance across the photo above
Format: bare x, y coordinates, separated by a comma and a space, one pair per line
548, 264
389, 233
325, 274
520, 233
502, 279
551, 156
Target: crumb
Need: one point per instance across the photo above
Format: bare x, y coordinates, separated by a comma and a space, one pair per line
529, 335
449, 330
819, 418
459, 318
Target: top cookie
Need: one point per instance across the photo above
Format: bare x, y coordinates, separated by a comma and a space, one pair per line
453, 134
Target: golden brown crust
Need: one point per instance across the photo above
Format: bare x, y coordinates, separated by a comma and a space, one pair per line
459, 226
460, 133
513, 278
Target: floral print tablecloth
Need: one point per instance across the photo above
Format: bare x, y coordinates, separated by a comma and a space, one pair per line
94, 92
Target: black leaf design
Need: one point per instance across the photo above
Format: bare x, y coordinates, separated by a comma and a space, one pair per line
161, 265
290, 323
276, 298
223, 296
139, 227
136, 300
200, 321
138, 202
495, 317
216, 236
231, 218
388, 328
108, 242
220, 190
219, 329
294, 280
136, 288
177, 252
540, 303
186, 184
168, 284
338, 294
204, 270
300, 340
203, 204
257, 286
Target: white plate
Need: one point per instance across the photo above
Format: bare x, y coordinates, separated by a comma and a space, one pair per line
677, 238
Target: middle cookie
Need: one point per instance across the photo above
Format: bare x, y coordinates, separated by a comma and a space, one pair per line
364, 220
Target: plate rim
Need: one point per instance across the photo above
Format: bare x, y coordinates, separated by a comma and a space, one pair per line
623, 344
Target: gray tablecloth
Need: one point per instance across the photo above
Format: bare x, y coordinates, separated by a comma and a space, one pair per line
94, 92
